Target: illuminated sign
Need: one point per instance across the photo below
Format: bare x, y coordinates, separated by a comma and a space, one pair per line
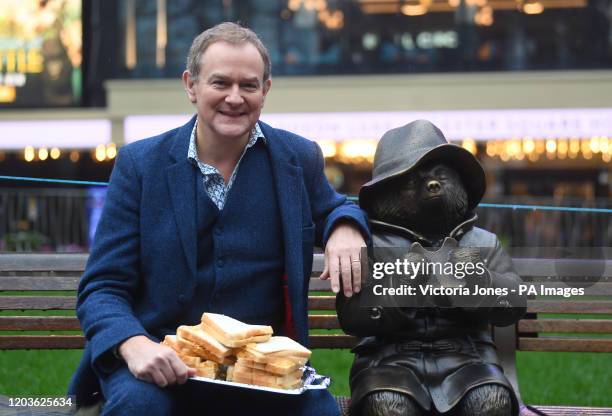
480, 125
423, 40
40, 53
431, 40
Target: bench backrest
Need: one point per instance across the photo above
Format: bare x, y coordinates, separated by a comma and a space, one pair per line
30, 283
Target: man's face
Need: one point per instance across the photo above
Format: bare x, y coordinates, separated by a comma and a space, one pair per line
229, 92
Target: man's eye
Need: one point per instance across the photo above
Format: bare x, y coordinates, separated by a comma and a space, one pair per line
250, 87
219, 82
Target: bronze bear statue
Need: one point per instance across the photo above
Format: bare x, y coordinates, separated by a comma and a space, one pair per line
435, 356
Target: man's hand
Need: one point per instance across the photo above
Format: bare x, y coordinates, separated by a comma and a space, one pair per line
343, 255
154, 363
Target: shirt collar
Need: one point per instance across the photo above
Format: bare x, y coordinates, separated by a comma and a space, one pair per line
192, 153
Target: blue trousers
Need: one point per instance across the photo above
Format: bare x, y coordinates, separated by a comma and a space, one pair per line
125, 395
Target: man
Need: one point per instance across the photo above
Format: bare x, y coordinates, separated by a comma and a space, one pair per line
218, 215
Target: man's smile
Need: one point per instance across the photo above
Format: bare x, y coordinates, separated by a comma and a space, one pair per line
230, 113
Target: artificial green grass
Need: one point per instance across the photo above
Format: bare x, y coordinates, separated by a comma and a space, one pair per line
33, 373
565, 378
336, 364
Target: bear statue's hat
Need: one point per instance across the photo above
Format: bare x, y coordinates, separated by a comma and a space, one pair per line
403, 149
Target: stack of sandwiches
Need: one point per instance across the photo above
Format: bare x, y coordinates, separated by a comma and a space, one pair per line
275, 363
224, 348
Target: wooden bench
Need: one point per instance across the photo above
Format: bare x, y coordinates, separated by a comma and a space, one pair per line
31, 282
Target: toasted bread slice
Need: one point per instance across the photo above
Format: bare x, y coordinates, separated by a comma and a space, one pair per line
262, 378
282, 381
279, 347
231, 332
245, 378
208, 369
186, 345
278, 365
171, 341
243, 362
190, 360
198, 336
223, 339
229, 373
266, 359
261, 375
282, 366
289, 386
191, 348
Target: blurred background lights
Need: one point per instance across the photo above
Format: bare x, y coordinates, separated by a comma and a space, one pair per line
28, 153
469, 145
327, 147
100, 153
43, 153
111, 151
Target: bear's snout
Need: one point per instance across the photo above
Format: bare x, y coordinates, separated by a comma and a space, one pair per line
433, 186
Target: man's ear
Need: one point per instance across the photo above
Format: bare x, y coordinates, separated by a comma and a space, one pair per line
188, 83
266, 87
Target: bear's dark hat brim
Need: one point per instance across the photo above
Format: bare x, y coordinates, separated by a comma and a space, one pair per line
460, 159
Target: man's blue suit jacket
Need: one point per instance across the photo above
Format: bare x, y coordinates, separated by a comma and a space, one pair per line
141, 271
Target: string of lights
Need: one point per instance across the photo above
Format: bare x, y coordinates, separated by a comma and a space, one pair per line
352, 198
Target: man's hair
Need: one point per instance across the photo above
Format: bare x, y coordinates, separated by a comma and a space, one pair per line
225, 32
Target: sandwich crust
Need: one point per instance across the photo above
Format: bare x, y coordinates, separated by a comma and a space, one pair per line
198, 336
232, 332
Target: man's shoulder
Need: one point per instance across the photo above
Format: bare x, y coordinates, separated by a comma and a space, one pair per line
150, 155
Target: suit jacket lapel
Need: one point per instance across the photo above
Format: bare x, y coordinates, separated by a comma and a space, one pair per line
181, 184
288, 178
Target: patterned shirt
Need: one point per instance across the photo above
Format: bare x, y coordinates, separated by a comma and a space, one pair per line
213, 181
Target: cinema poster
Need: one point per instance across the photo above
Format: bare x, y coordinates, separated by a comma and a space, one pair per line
40, 53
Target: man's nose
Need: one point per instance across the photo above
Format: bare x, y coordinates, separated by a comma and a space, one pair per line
433, 186
234, 97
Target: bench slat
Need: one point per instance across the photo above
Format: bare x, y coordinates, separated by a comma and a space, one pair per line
556, 344
41, 342
566, 325
564, 306
533, 306
317, 284
43, 262
37, 302
323, 322
39, 282
76, 262
573, 411
331, 341
603, 326
603, 288
39, 323
318, 263
324, 303
70, 323
315, 341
